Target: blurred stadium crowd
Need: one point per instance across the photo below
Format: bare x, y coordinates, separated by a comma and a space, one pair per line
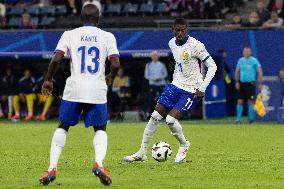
31, 14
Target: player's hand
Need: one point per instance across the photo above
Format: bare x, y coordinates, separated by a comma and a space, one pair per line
237, 86
109, 80
47, 88
198, 94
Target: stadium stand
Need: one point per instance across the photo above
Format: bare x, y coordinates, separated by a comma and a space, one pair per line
127, 12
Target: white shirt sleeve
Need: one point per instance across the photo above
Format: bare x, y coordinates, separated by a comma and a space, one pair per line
112, 47
201, 52
209, 75
63, 44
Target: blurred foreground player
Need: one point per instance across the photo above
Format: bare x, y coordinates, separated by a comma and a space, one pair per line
247, 71
85, 90
183, 93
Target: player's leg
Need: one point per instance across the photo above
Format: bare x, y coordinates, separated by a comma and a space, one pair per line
149, 131
30, 98
69, 115
47, 103
10, 106
57, 144
96, 115
16, 105
251, 97
151, 127
100, 147
185, 104
240, 101
166, 102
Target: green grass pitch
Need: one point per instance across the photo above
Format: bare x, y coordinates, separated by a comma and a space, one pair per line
222, 155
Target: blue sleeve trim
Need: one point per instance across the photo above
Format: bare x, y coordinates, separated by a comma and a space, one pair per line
116, 55
206, 58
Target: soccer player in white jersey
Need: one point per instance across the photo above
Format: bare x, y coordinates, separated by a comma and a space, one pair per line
180, 96
85, 90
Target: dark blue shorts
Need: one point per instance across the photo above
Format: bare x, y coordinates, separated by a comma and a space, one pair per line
176, 98
93, 114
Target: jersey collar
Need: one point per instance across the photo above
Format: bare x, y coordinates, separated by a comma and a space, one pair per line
90, 24
184, 41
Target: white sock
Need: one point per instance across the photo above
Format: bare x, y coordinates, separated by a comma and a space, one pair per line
10, 104
57, 144
149, 132
100, 146
176, 129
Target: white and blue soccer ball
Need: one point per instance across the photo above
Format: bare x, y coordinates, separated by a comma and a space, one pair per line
161, 151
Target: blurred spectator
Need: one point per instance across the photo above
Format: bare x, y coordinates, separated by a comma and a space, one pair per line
179, 8
26, 95
121, 88
253, 20
2, 14
228, 82
47, 101
73, 6
235, 24
274, 21
2, 8
156, 72
26, 22
44, 3
262, 12
9, 89
278, 6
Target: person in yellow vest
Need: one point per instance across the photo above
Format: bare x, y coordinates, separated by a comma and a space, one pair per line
41, 99
26, 95
121, 87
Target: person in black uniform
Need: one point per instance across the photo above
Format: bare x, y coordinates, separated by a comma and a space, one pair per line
9, 89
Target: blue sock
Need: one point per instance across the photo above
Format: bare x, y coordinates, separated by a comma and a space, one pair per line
239, 112
251, 113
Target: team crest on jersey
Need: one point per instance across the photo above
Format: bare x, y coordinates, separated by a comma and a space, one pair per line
185, 56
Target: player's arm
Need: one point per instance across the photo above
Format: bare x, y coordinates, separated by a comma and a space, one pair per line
113, 56
237, 78
61, 49
47, 86
212, 68
208, 61
114, 67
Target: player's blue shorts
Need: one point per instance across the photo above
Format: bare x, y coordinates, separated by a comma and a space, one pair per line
93, 114
176, 98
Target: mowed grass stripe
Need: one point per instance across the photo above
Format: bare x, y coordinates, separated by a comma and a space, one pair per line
222, 155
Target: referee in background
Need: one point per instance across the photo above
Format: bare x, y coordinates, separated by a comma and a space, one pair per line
248, 69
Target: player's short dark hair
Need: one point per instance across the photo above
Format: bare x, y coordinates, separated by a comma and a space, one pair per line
90, 13
180, 21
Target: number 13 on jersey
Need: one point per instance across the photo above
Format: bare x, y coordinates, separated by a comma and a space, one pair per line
94, 52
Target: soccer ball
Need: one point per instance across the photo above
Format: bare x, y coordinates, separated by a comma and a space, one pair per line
161, 151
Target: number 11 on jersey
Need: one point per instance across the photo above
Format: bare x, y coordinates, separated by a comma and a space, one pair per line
180, 67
